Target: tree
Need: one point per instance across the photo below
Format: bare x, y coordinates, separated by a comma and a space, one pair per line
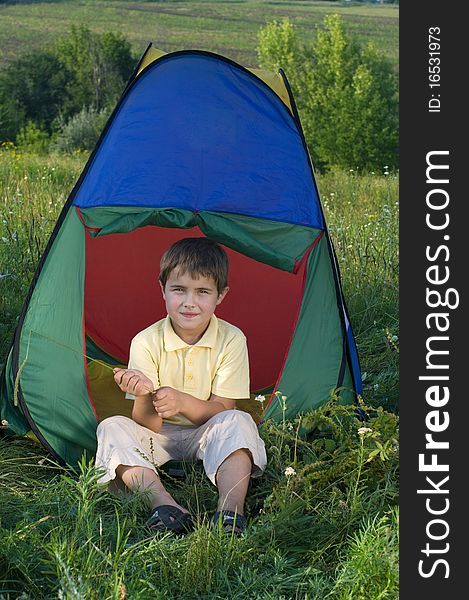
11, 116
46, 88
33, 88
100, 64
279, 48
352, 102
346, 95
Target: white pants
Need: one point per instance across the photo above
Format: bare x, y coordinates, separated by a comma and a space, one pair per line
122, 441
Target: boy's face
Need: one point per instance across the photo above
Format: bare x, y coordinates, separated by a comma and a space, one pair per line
190, 303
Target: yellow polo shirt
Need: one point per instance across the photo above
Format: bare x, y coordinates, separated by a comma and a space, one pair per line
217, 363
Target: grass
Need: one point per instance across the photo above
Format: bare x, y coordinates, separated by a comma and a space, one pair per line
229, 27
32, 192
362, 212
63, 536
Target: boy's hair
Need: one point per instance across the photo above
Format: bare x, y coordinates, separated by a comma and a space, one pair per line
198, 257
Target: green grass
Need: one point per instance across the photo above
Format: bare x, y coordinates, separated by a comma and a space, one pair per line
64, 536
228, 27
32, 193
362, 212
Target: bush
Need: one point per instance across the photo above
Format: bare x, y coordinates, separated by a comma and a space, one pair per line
81, 132
279, 48
12, 115
33, 139
82, 70
33, 88
100, 65
346, 94
352, 107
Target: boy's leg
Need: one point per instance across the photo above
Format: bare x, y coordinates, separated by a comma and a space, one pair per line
232, 452
143, 479
126, 448
232, 481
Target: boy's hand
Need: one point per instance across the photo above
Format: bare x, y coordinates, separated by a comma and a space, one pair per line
167, 402
133, 381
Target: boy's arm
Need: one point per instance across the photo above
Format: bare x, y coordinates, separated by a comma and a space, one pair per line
231, 382
144, 413
168, 402
135, 382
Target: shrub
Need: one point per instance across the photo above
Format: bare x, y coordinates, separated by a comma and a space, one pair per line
279, 48
82, 70
81, 132
346, 94
100, 65
33, 88
33, 139
351, 109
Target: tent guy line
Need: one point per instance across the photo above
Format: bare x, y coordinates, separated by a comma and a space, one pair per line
100, 362
70, 348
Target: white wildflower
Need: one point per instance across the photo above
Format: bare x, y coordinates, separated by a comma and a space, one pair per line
364, 430
260, 398
289, 471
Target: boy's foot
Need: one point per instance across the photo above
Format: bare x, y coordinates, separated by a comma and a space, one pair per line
169, 518
229, 521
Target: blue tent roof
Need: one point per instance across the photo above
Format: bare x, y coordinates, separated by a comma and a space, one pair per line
195, 131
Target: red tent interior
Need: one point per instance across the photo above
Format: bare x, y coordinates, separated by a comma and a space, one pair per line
122, 297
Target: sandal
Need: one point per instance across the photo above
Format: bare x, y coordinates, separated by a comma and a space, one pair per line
229, 522
169, 518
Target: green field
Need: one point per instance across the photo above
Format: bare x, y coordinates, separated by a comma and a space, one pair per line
226, 27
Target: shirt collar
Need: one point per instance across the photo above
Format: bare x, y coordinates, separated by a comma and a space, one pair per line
173, 342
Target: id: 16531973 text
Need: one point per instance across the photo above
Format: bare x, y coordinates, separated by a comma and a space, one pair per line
434, 69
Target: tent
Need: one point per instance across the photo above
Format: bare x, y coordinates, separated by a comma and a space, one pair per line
197, 145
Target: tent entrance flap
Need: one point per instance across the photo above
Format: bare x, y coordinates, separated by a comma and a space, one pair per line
122, 297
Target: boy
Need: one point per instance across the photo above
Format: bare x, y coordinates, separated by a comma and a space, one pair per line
185, 374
